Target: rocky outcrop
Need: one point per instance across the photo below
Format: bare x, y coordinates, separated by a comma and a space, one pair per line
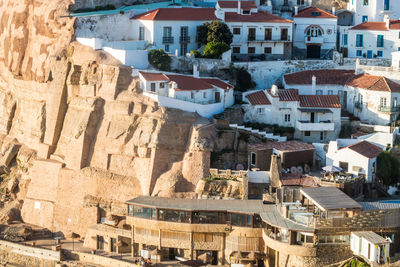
74, 130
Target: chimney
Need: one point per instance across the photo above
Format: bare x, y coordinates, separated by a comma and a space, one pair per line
239, 6
275, 171
313, 84
296, 10
274, 90
386, 19
334, 10
196, 72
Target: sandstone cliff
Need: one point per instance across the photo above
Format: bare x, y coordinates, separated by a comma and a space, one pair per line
93, 141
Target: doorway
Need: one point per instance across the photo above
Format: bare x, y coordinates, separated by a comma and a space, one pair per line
369, 54
312, 119
345, 100
112, 243
313, 51
217, 97
214, 258
100, 242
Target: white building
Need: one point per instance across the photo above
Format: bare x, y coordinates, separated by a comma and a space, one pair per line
371, 246
358, 158
314, 33
171, 29
373, 10
374, 99
315, 118
374, 39
206, 96
255, 33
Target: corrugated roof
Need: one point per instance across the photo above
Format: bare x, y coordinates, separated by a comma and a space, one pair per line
234, 4
366, 149
322, 101
379, 205
311, 12
296, 179
260, 16
185, 13
288, 146
258, 98
372, 237
330, 198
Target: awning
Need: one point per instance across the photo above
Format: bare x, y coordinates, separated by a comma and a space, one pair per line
317, 110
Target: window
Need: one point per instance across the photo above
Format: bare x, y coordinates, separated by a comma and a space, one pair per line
141, 33
183, 49
330, 92
204, 94
142, 212
166, 48
359, 40
162, 85
260, 110
236, 31
383, 101
358, 53
267, 50
174, 216
321, 136
246, 12
287, 117
300, 2
153, 87
130, 210
379, 54
268, 34
236, 49
305, 238
394, 102
364, 18
167, 31
192, 95
373, 167
345, 39
284, 34
365, 2
315, 14
386, 5
307, 133
253, 159
251, 50
252, 34
240, 219
379, 41
314, 31
344, 166
319, 92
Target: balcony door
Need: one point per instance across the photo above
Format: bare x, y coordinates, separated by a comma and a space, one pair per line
312, 117
252, 34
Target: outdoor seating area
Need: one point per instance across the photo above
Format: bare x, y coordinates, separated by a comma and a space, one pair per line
337, 174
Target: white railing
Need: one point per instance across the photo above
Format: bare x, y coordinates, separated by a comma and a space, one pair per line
318, 126
263, 134
314, 40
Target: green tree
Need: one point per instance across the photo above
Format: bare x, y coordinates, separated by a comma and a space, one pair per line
388, 168
159, 59
219, 32
215, 49
202, 32
243, 80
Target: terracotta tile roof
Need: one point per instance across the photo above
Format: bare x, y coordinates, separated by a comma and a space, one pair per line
184, 13
260, 16
286, 94
319, 101
258, 98
309, 11
324, 76
366, 149
288, 146
217, 83
234, 4
394, 24
151, 76
375, 83
371, 26
296, 179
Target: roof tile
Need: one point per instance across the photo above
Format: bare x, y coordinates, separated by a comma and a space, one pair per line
260, 16
234, 4
366, 149
258, 98
319, 101
184, 13
308, 13
371, 26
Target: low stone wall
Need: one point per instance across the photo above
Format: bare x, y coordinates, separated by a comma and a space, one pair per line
27, 256
103, 261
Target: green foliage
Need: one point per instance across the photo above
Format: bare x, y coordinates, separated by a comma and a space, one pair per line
159, 59
97, 8
388, 168
218, 31
345, 131
243, 80
202, 33
356, 263
215, 49
196, 53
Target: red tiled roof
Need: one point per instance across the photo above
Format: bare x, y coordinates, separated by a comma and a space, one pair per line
286, 94
375, 83
260, 16
218, 83
184, 13
234, 4
320, 101
394, 24
371, 26
324, 76
258, 98
288, 146
296, 179
151, 76
308, 13
366, 149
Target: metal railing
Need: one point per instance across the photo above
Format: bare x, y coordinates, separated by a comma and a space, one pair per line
389, 109
263, 38
358, 105
184, 39
168, 40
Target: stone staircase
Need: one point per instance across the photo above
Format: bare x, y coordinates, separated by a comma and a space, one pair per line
262, 134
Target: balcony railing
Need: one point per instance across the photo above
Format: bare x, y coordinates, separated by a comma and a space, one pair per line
314, 40
358, 105
184, 39
262, 38
168, 40
389, 109
315, 126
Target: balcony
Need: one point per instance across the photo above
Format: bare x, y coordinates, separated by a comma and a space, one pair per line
358, 105
184, 39
262, 39
314, 40
389, 109
168, 40
315, 126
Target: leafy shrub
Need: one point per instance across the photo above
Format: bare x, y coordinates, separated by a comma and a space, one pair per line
388, 168
159, 59
215, 49
243, 80
196, 53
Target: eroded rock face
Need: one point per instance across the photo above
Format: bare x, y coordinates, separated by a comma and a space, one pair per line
87, 140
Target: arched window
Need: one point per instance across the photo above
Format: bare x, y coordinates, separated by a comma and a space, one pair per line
314, 31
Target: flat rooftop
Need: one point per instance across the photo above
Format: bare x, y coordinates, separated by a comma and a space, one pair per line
235, 205
372, 237
330, 198
288, 146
